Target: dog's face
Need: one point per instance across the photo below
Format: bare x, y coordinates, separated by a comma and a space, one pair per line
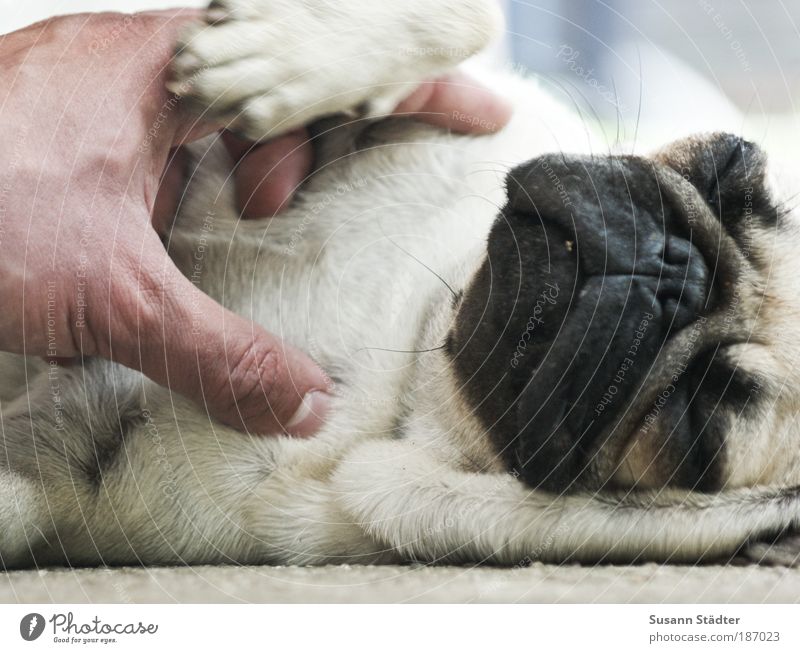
635, 322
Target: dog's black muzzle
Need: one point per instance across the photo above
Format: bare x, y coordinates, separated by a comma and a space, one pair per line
590, 270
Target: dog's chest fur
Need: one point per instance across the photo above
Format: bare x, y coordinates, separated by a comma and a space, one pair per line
395, 213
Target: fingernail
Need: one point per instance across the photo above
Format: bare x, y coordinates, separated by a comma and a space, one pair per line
310, 415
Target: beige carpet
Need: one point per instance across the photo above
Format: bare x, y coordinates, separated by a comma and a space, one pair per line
538, 583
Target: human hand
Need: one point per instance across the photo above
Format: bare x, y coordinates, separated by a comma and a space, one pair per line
82, 269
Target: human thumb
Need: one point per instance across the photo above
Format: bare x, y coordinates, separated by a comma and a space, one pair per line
243, 375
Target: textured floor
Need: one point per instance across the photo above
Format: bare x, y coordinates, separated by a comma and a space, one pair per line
538, 583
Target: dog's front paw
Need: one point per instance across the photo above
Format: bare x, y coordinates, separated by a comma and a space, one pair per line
264, 67
243, 69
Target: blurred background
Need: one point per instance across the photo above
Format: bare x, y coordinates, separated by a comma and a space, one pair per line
672, 66
682, 57
750, 49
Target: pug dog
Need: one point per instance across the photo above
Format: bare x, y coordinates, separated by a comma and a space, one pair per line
538, 349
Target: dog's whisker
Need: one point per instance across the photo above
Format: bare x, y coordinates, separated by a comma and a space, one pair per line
423, 264
561, 85
641, 99
401, 351
617, 111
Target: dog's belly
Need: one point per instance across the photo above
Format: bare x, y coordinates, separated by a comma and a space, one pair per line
349, 272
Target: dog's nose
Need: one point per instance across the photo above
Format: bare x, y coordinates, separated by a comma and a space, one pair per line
638, 279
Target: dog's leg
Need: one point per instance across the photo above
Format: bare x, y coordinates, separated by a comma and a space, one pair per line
23, 506
296, 518
263, 67
23, 513
428, 511
783, 552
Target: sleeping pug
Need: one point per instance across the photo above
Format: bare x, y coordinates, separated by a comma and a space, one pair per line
537, 352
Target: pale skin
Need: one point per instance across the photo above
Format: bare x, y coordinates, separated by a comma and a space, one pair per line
86, 193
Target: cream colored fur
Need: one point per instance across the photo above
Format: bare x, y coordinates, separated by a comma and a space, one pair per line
403, 470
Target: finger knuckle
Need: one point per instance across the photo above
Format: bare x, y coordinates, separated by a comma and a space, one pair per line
255, 376
139, 302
